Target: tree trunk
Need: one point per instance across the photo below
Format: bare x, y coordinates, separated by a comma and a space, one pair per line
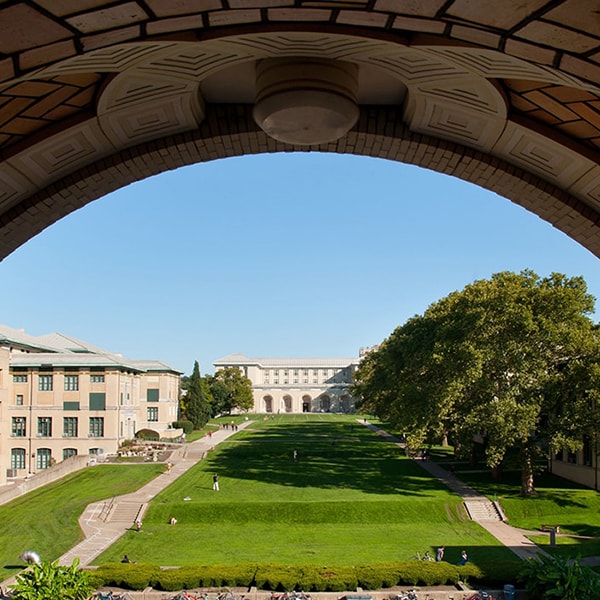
527, 487
497, 472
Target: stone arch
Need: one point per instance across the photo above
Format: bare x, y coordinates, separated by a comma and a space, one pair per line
95, 98
267, 404
287, 403
325, 403
306, 403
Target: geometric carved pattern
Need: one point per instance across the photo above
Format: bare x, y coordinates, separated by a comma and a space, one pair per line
60, 154
83, 80
467, 110
137, 107
541, 155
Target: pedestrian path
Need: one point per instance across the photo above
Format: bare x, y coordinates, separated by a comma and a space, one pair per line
103, 525
512, 538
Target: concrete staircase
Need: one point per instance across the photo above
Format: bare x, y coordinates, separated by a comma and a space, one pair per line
125, 512
483, 510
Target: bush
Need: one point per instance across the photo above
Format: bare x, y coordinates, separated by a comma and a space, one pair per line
187, 426
311, 578
550, 578
48, 581
148, 435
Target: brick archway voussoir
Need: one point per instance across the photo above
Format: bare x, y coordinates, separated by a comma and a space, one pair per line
230, 131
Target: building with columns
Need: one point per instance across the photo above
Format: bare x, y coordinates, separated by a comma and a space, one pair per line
297, 385
61, 397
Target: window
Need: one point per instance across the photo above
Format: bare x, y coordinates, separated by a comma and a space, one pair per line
97, 401
96, 378
153, 413
152, 395
70, 427
18, 427
17, 458
70, 405
44, 457
19, 400
71, 383
45, 383
68, 452
20, 378
96, 426
95, 451
44, 428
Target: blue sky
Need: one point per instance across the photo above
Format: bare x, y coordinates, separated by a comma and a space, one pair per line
293, 255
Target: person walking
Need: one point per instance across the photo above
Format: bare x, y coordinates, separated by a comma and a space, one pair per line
216, 482
439, 555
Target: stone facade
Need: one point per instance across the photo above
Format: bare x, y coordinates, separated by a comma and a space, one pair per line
297, 385
61, 397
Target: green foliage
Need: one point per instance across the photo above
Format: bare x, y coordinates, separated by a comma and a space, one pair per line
49, 581
515, 356
197, 409
549, 578
147, 434
231, 390
277, 577
47, 518
187, 426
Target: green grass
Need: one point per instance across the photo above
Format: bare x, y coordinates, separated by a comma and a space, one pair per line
575, 508
46, 520
351, 498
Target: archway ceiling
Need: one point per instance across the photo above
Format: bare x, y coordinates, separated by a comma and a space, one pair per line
94, 94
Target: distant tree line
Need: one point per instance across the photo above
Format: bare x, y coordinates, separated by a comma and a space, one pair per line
206, 397
512, 362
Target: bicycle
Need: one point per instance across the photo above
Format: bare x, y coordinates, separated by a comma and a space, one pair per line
409, 595
99, 595
480, 595
183, 595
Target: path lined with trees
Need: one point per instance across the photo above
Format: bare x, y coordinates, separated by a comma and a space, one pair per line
512, 362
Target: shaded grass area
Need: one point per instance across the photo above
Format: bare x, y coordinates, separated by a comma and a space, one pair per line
46, 520
350, 498
573, 507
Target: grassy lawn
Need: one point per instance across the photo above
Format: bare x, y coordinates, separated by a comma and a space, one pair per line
350, 498
46, 520
576, 509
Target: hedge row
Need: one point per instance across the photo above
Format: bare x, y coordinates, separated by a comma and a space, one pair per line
309, 578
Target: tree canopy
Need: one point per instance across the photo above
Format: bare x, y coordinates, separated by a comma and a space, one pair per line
512, 361
230, 390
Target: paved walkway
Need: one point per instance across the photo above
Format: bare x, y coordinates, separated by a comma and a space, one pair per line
103, 523
512, 538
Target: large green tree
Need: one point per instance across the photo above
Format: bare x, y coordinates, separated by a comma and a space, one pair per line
511, 361
231, 390
196, 406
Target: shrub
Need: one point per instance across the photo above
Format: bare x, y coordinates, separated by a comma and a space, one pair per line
48, 581
187, 426
552, 577
311, 578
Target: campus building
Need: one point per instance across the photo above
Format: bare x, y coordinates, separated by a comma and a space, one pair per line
61, 397
297, 385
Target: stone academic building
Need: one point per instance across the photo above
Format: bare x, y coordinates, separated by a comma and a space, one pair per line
61, 397
297, 385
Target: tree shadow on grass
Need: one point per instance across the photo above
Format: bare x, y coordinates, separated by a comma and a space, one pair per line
330, 455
